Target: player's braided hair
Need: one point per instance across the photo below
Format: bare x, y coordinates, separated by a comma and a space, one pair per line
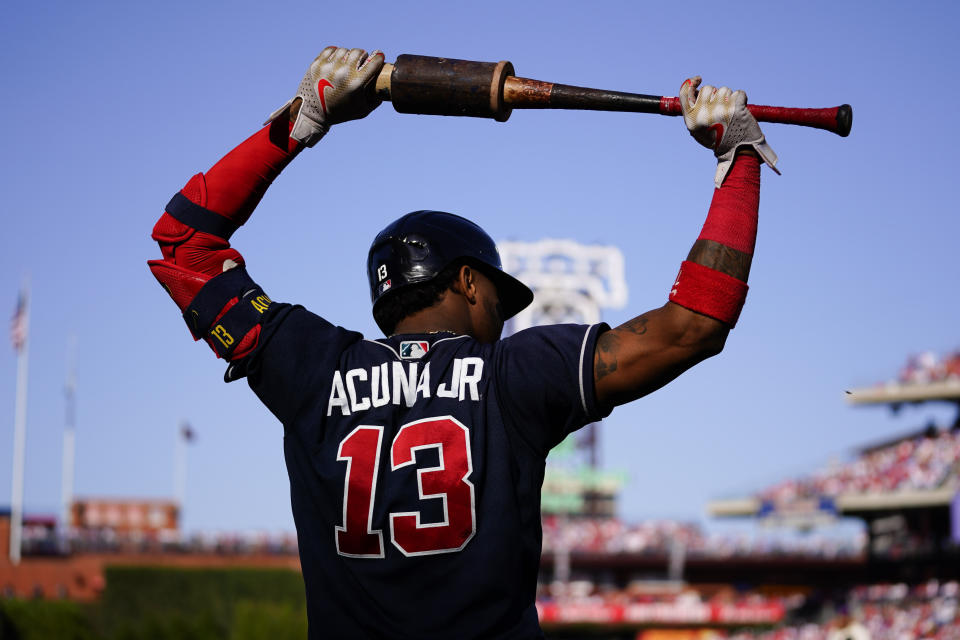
392, 309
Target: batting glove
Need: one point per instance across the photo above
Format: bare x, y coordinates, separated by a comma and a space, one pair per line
719, 120
334, 90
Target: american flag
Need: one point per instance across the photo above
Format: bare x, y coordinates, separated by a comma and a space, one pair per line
18, 325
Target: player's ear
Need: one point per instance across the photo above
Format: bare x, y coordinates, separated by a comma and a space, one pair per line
466, 283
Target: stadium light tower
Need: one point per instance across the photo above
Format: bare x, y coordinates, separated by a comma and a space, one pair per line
572, 282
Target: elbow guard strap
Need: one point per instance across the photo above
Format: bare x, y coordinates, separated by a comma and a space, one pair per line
225, 310
710, 292
200, 218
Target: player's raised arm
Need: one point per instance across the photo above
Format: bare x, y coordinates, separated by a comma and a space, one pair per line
201, 272
652, 349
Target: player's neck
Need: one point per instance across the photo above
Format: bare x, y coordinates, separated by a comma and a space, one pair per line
448, 315
428, 327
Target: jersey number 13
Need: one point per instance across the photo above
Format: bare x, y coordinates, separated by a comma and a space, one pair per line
448, 481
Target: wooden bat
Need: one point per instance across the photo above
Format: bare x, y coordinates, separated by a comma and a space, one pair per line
445, 86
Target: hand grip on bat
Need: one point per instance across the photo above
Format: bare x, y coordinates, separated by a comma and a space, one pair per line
445, 86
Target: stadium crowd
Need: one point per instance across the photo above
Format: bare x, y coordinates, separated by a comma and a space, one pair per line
582, 601
611, 535
926, 367
920, 463
39, 540
591, 535
882, 612
875, 612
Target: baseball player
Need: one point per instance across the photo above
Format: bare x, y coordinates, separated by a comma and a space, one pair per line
416, 460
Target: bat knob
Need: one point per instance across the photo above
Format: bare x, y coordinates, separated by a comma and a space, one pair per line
844, 120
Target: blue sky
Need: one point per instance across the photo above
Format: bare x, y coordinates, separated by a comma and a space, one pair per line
111, 107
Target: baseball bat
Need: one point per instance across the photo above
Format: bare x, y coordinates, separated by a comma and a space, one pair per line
445, 86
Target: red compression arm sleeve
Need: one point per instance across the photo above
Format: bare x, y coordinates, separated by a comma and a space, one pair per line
732, 222
235, 185
232, 188
732, 219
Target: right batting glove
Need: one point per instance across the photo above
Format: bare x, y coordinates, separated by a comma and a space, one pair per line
334, 90
719, 120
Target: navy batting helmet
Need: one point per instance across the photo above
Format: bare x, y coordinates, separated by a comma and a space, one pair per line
416, 247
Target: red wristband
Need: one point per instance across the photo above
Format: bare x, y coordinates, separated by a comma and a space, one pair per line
710, 292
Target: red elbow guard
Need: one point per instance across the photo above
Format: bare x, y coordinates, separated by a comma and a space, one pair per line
225, 310
710, 292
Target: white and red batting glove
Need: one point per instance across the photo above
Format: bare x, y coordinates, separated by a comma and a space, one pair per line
719, 120
335, 89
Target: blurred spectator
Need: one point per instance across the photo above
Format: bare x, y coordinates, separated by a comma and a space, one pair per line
846, 627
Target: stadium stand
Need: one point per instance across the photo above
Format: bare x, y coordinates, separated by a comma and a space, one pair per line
921, 463
882, 612
659, 538
927, 367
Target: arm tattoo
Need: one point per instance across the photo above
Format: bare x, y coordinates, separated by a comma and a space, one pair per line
608, 345
605, 360
721, 258
637, 326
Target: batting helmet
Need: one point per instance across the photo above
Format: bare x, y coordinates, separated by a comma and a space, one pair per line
416, 247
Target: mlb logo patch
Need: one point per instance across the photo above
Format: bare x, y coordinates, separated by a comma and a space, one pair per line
413, 349
384, 286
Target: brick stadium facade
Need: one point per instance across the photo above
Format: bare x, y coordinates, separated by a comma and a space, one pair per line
80, 576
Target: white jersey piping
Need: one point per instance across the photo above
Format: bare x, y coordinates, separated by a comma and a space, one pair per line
583, 350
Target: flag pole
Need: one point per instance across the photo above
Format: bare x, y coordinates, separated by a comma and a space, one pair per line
22, 343
69, 433
185, 435
180, 467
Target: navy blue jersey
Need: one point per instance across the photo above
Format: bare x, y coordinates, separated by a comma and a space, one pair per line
415, 467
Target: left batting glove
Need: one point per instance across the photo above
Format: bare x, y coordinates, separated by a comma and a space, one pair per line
719, 120
334, 90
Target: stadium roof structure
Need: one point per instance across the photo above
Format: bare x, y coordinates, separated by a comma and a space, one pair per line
844, 504
810, 510
895, 393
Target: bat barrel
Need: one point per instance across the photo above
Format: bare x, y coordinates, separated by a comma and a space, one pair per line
524, 93
451, 87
